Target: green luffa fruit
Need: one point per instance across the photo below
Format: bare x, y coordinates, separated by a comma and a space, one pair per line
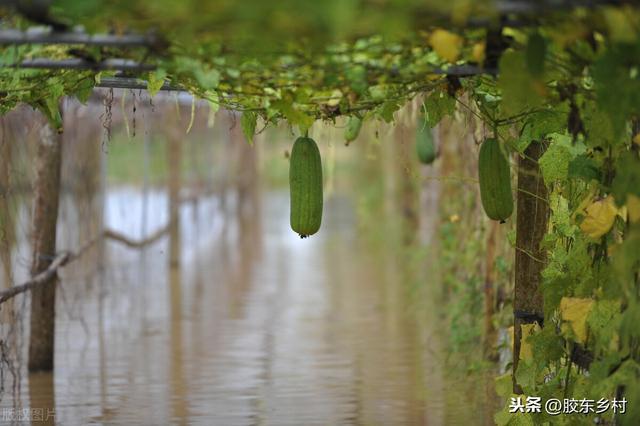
495, 181
305, 186
352, 130
425, 147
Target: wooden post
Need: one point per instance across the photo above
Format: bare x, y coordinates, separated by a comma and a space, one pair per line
7, 221
45, 218
7, 237
531, 226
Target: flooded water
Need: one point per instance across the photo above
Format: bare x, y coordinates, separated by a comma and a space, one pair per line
253, 326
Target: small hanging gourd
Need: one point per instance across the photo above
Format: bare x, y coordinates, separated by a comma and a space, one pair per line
425, 147
305, 186
495, 181
352, 130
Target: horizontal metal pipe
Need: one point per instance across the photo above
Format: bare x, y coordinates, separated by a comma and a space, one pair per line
138, 84
130, 65
131, 83
47, 36
464, 71
82, 64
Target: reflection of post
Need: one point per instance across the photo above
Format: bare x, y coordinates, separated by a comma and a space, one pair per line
145, 212
145, 176
226, 163
176, 373
101, 262
174, 160
45, 216
244, 166
407, 186
81, 162
247, 175
248, 216
42, 399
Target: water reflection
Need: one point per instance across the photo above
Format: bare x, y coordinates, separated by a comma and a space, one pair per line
252, 326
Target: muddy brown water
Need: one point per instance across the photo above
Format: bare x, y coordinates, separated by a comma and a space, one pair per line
255, 326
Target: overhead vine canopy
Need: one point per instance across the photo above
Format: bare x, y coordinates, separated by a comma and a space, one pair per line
307, 60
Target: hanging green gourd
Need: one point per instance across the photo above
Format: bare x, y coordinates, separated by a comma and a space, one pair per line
305, 186
425, 147
352, 130
495, 181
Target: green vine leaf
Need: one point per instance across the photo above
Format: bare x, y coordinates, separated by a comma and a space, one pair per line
84, 90
627, 180
293, 115
437, 105
535, 54
155, 81
539, 124
387, 109
554, 164
521, 91
248, 123
584, 168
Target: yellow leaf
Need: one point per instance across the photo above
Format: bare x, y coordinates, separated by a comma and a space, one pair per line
335, 98
461, 11
510, 334
600, 217
621, 25
614, 343
446, 44
526, 350
622, 212
584, 203
568, 33
636, 139
633, 208
575, 310
478, 52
